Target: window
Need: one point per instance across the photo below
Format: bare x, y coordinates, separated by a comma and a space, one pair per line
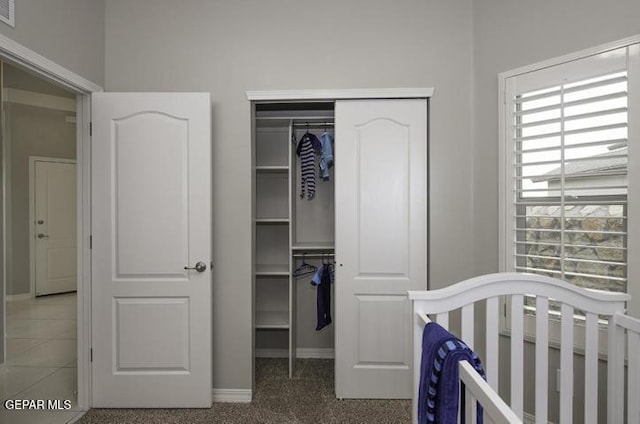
567, 148
570, 145
7, 14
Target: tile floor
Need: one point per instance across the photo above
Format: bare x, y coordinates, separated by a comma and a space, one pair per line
41, 357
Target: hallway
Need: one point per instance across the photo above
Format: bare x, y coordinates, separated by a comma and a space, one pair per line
41, 357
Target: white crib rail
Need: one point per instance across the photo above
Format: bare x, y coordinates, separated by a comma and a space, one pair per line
489, 288
621, 327
476, 389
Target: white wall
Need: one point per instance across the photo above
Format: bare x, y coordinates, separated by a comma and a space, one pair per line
68, 32
227, 47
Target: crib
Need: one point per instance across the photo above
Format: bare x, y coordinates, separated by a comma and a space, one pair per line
499, 306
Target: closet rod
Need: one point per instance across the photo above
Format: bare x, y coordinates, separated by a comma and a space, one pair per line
312, 255
313, 124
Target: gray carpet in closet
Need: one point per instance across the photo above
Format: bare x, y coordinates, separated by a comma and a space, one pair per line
306, 398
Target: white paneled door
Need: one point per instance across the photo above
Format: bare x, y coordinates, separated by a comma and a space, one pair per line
151, 253
381, 242
54, 204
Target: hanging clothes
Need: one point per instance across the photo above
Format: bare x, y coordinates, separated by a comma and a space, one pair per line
306, 150
325, 268
326, 155
315, 142
322, 280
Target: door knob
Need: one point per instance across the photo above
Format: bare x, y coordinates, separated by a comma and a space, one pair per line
43, 236
200, 267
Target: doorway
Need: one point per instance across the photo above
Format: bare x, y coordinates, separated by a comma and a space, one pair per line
52, 219
39, 182
38, 65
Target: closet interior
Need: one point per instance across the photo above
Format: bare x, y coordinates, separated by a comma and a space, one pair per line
294, 228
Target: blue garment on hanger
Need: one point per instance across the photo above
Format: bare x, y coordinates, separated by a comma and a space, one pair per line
326, 155
317, 277
323, 298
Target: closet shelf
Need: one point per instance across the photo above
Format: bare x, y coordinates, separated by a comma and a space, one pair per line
314, 246
264, 120
272, 220
272, 168
272, 320
272, 270
267, 122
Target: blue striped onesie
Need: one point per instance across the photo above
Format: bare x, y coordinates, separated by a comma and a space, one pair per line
307, 168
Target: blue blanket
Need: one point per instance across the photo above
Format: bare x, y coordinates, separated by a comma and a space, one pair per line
439, 376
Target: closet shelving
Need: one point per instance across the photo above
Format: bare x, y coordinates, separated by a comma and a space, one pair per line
286, 227
271, 270
312, 247
272, 320
272, 218
272, 168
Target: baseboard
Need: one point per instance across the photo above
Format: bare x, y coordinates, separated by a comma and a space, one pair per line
301, 352
231, 395
14, 297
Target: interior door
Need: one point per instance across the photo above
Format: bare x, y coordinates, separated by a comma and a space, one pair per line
55, 226
381, 242
151, 250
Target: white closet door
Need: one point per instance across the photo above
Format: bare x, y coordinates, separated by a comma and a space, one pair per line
151, 218
381, 242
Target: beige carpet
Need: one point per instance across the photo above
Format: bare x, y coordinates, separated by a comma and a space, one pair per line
306, 398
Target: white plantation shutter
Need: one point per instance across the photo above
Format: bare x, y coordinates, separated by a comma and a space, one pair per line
567, 143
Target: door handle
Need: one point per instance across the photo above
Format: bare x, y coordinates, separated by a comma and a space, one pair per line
43, 236
200, 267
